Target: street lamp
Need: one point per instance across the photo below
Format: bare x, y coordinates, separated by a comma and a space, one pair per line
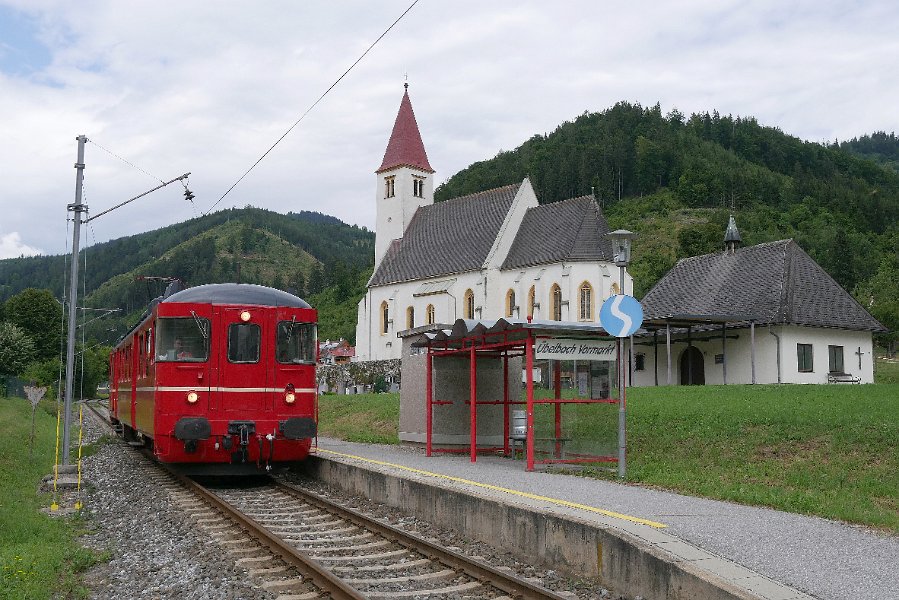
621, 254
621, 250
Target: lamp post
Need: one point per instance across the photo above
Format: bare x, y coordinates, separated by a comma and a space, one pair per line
621, 252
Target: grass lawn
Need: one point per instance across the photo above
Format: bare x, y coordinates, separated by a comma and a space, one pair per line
39, 556
826, 450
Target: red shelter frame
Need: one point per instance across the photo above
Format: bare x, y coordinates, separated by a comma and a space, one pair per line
507, 339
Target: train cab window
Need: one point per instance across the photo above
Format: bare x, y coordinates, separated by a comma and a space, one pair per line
243, 342
296, 343
182, 339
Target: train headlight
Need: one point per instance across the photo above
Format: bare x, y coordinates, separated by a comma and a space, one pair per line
245, 316
289, 394
192, 397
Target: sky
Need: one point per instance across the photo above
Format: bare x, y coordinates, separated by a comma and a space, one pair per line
162, 88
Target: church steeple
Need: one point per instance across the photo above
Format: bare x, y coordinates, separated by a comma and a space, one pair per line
405, 148
732, 237
405, 180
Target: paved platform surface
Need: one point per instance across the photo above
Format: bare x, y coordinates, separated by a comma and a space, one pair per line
778, 555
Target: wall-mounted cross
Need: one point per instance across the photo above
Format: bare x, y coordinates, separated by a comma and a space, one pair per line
859, 353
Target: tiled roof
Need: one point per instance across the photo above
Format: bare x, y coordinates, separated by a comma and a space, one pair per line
448, 237
775, 283
405, 147
570, 230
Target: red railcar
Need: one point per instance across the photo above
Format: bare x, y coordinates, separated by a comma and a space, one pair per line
220, 378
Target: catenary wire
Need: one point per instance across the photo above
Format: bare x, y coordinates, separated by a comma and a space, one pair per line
308, 110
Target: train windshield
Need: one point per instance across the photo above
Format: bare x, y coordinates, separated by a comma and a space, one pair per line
296, 342
182, 339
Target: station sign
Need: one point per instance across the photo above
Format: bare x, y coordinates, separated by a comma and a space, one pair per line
569, 349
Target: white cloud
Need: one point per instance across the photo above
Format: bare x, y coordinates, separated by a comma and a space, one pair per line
11, 246
208, 87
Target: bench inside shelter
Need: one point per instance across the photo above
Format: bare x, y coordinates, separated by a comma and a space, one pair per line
836, 377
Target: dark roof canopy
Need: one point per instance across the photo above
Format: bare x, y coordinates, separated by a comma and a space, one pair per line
772, 283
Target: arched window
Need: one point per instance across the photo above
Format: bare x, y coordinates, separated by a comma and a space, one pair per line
510, 303
468, 308
429, 313
585, 302
614, 289
385, 317
410, 317
532, 296
555, 295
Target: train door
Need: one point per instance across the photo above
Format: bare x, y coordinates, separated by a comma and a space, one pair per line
244, 375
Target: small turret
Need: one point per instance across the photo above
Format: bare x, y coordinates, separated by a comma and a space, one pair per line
732, 239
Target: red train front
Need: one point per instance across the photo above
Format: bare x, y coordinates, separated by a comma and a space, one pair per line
220, 378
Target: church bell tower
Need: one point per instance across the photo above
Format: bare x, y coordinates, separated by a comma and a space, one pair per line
405, 180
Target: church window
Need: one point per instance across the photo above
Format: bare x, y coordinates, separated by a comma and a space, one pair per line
639, 362
532, 294
385, 317
835, 359
555, 294
468, 308
614, 289
585, 312
418, 187
410, 317
804, 352
389, 183
429, 314
510, 303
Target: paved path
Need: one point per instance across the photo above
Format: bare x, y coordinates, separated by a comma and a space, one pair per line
824, 559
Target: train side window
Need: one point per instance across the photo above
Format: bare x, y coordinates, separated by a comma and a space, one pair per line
243, 342
182, 339
296, 342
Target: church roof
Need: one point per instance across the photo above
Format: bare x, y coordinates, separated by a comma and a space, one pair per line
774, 283
405, 148
454, 236
570, 230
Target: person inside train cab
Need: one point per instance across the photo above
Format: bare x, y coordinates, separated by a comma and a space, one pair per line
181, 351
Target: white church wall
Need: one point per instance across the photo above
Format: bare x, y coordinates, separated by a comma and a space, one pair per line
394, 213
851, 341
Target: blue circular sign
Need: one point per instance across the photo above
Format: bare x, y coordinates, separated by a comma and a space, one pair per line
621, 315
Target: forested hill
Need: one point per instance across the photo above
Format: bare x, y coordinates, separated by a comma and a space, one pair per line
305, 253
674, 179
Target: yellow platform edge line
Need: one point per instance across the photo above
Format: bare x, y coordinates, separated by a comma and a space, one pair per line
528, 495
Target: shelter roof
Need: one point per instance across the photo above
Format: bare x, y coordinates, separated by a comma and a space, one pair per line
570, 230
772, 283
466, 328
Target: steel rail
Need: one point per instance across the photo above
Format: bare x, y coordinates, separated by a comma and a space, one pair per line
510, 584
324, 579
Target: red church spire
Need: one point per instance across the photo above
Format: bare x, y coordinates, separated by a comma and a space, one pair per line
405, 147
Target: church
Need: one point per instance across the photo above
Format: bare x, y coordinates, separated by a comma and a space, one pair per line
493, 254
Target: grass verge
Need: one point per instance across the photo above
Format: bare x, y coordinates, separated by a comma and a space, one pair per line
39, 554
825, 450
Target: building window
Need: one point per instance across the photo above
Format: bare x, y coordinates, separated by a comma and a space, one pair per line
614, 290
418, 187
639, 362
586, 302
429, 312
385, 317
510, 303
410, 318
468, 308
532, 295
835, 359
805, 357
388, 186
555, 295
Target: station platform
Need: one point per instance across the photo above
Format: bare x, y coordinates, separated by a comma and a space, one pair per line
740, 551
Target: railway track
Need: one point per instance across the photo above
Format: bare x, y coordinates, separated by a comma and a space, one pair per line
297, 545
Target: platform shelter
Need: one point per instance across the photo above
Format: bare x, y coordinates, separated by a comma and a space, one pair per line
567, 412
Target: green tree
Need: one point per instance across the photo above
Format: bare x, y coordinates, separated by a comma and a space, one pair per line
39, 314
16, 350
